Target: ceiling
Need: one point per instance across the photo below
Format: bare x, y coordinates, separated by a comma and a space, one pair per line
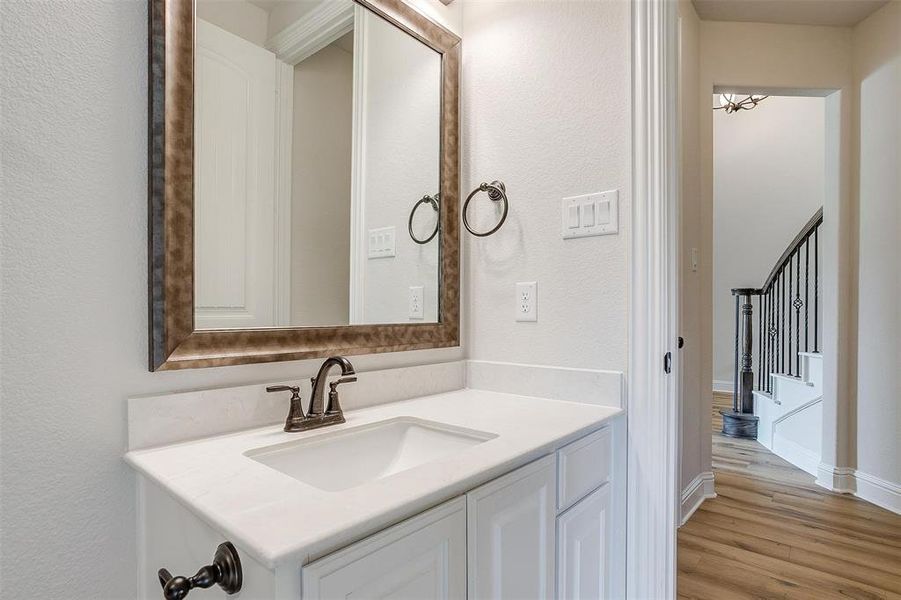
843, 13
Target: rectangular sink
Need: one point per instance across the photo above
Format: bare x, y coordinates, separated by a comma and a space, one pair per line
352, 457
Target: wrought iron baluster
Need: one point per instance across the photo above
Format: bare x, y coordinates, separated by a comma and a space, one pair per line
782, 320
816, 288
789, 310
797, 304
806, 292
760, 342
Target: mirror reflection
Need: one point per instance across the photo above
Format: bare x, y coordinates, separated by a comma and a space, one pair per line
317, 132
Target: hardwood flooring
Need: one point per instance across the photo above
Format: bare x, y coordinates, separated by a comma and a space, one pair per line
771, 532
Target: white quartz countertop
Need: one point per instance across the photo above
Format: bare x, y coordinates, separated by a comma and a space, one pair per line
281, 520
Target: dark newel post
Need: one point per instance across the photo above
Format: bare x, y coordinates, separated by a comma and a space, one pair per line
740, 421
747, 344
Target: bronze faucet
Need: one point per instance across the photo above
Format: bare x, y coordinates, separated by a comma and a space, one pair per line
317, 417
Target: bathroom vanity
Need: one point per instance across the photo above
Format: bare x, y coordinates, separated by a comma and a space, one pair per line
464, 494
271, 239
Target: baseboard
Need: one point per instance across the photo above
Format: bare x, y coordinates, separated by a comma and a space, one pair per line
796, 454
878, 491
723, 386
701, 488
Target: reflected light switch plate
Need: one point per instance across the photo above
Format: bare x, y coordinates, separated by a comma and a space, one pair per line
381, 242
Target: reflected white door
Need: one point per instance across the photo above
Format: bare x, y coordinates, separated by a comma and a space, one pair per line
234, 184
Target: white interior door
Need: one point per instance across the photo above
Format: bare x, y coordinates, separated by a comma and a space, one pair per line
234, 186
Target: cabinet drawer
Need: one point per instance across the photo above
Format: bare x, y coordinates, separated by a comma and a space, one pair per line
583, 466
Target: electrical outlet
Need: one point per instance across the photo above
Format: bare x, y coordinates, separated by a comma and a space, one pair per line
416, 309
527, 301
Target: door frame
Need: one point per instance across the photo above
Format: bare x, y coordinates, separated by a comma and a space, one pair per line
653, 397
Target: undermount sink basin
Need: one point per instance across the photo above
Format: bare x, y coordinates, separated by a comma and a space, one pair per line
352, 457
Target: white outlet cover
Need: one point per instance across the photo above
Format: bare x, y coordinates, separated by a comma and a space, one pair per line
382, 242
526, 305
417, 311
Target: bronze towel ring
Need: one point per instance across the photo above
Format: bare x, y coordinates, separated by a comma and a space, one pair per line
497, 192
433, 200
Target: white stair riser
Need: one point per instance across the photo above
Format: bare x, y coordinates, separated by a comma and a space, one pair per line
790, 393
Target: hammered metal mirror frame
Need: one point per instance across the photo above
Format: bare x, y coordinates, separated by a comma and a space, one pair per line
174, 343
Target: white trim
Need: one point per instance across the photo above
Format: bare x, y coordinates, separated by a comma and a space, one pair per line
653, 412
358, 236
837, 479
313, 32
795, 453
284, 134
701, 488
878, 491
845, 480
723, 386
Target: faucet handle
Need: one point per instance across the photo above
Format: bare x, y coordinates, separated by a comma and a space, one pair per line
334, 406
283, 388
295, 410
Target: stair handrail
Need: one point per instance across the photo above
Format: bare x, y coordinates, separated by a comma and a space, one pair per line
815, 221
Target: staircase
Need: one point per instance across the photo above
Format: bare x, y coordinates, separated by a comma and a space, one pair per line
791, 416
779, 374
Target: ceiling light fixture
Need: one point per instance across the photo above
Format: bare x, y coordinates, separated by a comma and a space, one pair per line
730, 102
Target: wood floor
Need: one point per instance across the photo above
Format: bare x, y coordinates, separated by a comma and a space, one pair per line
771, 532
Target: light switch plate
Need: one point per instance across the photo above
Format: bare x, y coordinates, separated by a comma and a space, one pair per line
598, 215
416, 309
382, 242
527, 301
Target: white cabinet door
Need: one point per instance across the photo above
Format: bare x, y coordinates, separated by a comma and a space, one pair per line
422, 558
510, 526
583, 551
234, 185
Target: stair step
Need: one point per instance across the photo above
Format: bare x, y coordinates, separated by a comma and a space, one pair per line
792, 378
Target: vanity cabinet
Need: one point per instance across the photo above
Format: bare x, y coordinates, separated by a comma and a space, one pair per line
552, 529
423, 558
511, 540
584, 548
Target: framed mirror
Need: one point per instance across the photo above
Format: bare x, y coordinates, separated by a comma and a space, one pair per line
303, 181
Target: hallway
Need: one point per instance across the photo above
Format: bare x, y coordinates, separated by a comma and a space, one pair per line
771, 532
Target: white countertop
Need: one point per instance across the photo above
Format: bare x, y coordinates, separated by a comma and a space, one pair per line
280, 520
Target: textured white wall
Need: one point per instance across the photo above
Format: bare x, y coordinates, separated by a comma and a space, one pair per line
74, 304
546, 109
877, 66
400, 118
768, 180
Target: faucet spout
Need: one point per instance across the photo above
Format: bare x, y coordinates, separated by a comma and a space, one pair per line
317, 397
